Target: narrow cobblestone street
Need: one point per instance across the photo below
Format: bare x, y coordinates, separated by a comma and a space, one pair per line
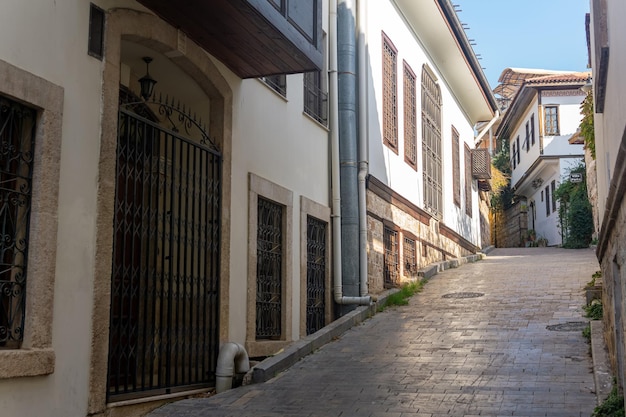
500, 337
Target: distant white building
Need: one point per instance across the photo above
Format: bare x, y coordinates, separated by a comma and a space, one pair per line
540, 127
425, 93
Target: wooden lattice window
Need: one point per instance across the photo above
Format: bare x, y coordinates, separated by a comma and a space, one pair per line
410, 117
468, 181
431, 142
456, 168
390, 94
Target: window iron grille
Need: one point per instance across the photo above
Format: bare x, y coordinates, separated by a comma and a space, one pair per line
17, 145
316, 275
315, 99
551, 121
410, 257
277, 83
392, 273
269, 270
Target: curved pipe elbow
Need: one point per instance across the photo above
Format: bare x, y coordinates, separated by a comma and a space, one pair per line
232, 359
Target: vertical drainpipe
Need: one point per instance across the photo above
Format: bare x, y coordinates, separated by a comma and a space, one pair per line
336, 166
363, 145
347, 108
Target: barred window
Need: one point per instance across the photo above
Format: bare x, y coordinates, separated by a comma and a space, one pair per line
547, 189
410, 117
456, 168
17, 143
269, 270
551, 121
277, 83
410, 257
552, 190
468, 181
315, 98
513, 155
391, 272
390, 94
527, 140
431, 143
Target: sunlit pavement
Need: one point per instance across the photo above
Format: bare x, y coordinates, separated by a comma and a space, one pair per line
500, 337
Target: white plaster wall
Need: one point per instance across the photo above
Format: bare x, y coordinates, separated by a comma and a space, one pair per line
389, 167
569, 121
547, 225
610, 125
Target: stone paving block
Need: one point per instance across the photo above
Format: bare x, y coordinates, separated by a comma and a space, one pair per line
490, 355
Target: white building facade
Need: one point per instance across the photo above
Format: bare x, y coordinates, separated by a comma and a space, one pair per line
425, 95
540, 127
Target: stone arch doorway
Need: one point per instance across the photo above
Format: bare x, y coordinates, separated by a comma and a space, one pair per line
130, 32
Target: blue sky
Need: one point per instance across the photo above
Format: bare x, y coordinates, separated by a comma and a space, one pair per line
547, 34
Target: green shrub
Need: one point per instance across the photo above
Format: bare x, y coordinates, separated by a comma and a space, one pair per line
594, 310
613, 406
401, 298
587, 333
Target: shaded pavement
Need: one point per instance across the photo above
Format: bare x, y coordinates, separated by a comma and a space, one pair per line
500, 337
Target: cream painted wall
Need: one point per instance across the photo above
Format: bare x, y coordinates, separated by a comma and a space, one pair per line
384, 163
53, 45
271, 138
610, 125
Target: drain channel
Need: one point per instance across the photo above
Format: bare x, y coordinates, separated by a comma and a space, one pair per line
463, 295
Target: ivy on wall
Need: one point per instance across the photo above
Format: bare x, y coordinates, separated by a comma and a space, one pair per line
575, 210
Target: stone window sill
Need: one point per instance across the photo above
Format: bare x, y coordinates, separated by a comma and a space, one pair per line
26, 362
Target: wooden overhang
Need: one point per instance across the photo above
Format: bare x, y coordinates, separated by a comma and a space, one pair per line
253, 38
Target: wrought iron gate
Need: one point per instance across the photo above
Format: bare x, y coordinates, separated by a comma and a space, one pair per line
164, 288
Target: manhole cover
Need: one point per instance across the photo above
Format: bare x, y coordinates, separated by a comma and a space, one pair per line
463, 295
570, 326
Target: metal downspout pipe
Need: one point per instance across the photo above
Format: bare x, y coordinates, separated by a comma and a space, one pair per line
363, 145
336, 164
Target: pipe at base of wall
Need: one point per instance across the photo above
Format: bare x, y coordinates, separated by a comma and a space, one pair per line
232, 359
